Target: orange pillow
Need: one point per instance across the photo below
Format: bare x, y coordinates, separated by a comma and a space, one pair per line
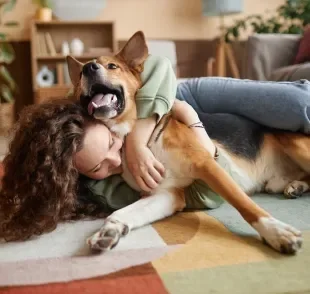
303, 54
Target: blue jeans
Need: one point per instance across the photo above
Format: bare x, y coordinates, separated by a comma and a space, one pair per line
281, 105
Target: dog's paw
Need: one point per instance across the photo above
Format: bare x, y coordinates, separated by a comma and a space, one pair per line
282, 237
276, 185
295, 189
108, 236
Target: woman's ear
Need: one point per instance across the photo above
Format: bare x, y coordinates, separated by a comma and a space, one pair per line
75, 69
135, 51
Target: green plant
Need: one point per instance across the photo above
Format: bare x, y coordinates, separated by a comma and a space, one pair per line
43, 3
289, 18
7, 55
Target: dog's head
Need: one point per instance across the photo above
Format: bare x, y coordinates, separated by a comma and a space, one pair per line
106, 87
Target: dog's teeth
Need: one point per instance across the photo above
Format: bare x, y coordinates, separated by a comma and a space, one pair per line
95, 105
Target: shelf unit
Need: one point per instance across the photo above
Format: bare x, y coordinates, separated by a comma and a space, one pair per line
47, 38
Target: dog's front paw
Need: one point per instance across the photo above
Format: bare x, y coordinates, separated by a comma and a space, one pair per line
108, 236
282, 237
295, 189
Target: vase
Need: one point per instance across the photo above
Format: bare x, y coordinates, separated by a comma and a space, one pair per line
44, 14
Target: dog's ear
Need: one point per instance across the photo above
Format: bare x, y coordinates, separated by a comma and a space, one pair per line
75, 68
135, 51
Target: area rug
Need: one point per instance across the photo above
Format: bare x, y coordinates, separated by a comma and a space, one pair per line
192, 252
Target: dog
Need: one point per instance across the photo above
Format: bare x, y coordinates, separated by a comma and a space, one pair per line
264, 159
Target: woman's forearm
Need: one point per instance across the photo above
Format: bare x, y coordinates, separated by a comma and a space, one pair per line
142, 131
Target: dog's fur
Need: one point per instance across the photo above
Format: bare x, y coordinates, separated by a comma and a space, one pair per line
265, 160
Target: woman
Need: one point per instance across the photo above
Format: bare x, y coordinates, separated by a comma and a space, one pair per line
52, 144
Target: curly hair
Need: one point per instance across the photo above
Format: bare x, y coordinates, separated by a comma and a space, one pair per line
40, 184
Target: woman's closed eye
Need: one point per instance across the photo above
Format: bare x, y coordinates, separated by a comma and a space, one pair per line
97, 168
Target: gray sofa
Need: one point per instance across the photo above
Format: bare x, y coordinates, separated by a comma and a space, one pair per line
270, 57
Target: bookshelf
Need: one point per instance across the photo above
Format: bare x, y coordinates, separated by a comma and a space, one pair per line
47, 53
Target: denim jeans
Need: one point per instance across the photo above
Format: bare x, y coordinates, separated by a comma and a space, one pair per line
281, 105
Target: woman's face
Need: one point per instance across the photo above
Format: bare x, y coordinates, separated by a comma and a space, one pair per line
100, 156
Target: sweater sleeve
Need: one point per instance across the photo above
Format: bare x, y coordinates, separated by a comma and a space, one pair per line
158, 91
111, 193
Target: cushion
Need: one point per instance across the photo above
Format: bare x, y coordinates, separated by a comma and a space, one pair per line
303, 53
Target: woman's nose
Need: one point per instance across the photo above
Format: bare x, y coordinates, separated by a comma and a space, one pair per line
114, 159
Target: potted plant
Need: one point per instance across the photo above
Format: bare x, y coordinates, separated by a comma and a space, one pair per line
290, 18
7, 84
44, 11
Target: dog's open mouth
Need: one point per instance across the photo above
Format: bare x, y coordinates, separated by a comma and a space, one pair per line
106, 101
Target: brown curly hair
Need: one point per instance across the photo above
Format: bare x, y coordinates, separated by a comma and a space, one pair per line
39, 187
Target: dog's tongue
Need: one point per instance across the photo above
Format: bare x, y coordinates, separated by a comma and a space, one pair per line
100, 100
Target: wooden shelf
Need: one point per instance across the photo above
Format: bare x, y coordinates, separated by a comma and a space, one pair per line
60, 57
47, 39
72, 23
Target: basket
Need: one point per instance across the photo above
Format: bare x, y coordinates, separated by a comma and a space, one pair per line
7, 116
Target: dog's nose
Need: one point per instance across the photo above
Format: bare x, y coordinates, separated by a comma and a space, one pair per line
90, 68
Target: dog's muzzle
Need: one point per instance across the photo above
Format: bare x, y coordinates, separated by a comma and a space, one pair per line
105, 101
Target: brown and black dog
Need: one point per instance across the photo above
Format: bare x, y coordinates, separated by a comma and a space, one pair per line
263, 160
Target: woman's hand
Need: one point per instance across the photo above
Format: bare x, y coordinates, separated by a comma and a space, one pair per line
147, 171
185, 113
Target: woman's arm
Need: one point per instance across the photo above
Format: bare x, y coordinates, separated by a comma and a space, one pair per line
153, 100
146, 169
186, 114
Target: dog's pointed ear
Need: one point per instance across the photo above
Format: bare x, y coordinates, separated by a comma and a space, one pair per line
135, 51
75, 68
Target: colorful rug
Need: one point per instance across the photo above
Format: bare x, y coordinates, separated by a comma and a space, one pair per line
191, 252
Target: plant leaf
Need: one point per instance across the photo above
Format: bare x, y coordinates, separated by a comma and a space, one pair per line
7, 78
9, 6
7, 53
11, 24
6, 93
2, 36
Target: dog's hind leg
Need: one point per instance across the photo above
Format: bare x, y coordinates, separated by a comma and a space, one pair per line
297, 147
276, 185
144, 211
295, 189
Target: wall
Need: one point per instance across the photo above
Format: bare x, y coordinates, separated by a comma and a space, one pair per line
166, 19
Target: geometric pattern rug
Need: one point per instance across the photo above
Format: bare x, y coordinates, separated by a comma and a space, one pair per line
211, 251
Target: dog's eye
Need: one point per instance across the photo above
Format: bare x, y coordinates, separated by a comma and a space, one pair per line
112, 66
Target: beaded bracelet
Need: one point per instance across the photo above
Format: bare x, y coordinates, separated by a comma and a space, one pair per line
197, 125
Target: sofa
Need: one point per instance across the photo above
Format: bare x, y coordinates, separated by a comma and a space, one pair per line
270, 57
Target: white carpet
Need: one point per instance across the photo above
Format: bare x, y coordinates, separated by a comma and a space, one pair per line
69, 240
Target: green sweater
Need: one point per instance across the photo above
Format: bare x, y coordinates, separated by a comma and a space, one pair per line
156, 96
